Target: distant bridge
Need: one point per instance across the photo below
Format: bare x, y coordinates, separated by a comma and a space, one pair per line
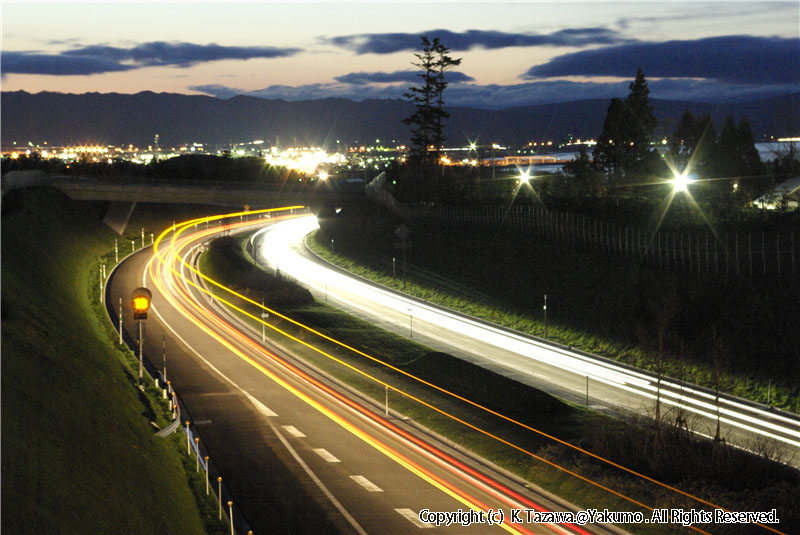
190, 192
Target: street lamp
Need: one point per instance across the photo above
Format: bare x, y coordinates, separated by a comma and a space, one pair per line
411, 322
141, 303
681, 182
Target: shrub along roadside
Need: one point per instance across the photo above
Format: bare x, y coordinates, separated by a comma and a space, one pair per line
714, 472
79, 453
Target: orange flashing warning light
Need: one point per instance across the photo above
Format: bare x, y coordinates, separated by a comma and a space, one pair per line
140, 302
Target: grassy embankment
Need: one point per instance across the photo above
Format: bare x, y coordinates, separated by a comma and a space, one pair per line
79, 453
596, 303
724, 475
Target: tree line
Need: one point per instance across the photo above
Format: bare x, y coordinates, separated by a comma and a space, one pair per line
627, 152
633, 157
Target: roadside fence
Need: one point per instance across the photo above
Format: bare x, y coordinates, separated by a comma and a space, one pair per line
741, 253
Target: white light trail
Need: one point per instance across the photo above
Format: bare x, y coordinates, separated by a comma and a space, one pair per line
279, 247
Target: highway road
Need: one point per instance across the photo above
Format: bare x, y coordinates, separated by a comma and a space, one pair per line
299, 453
562, 371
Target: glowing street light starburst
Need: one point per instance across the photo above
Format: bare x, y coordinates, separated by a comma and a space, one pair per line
681, 183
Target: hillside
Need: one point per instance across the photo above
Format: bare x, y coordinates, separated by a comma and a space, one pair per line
78, 452
63, 119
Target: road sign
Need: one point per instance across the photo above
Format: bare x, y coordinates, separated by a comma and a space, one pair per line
402, 232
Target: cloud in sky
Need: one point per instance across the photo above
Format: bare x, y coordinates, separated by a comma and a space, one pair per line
54, 64
495, 96
388, 43
179, 54
735, 59
411, 77
95, 59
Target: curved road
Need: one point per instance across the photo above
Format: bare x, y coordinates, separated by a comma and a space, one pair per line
297, 452
568, 374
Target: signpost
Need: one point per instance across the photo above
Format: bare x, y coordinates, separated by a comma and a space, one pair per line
545, 315
264, 316
403, 233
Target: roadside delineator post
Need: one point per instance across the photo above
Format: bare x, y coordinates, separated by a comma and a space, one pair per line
219, 495
120, 321
205, 458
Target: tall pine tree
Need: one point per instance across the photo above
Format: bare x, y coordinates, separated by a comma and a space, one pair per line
624, 149
427, 121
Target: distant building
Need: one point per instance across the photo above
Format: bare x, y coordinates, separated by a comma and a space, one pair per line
785, 196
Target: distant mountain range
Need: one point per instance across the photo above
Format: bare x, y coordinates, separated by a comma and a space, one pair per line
117, 119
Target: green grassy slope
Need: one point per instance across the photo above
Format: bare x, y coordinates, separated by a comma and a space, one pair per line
78, 456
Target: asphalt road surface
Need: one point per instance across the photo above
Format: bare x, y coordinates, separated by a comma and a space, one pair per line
297, 452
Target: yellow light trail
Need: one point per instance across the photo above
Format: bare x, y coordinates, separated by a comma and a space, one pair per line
436, 409
432, 407
183, 226
410, 465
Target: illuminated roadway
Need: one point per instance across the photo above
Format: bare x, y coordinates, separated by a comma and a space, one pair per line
556, 369
263, 416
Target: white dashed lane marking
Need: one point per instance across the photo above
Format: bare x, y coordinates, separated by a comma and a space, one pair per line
366, 483
325, 454
413, 517
292, 430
